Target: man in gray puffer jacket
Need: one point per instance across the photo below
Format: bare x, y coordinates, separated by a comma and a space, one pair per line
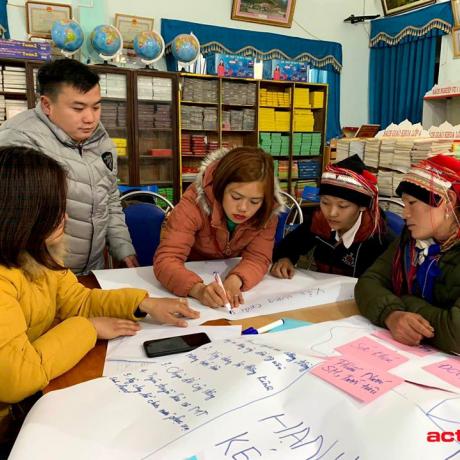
65, 125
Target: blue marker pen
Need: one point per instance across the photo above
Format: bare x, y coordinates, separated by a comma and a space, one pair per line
263, 329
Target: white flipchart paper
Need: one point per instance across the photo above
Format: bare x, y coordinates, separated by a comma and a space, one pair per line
271, 295
251, 397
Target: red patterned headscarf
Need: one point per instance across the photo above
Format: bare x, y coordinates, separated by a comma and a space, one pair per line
428, 181
348, 179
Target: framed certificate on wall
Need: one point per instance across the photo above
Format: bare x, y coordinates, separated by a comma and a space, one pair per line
41, 16
130, 26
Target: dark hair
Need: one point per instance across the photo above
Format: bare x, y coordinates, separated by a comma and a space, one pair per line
33, 189
52, 76
247, 164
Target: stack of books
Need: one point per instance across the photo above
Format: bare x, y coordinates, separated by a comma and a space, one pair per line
267, 119
372, 153
304, 120
162, 89
2, 109
273, 98
317, 99
121, 145
113, 85
301, 98
308, 169
282, 121
14, 107
14, 79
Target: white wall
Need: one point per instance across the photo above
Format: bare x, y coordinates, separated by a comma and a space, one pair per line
313, 19
449, 67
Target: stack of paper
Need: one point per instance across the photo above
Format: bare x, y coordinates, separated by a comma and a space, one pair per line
372, 152
343, 149
402, 154
357, 147
385, 183
440, 147
397, 178
387, 152
2, 109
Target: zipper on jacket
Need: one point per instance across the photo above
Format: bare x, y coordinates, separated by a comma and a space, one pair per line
85, 269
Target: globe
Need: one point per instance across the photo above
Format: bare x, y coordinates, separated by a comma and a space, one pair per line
106, 41
185, 48
67, 35
149, 46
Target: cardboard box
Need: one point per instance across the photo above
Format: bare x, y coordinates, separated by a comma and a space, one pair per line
279, 69
230, 65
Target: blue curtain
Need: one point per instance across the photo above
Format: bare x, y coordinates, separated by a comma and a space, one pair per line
4, 29
402, 63
333, 101
399, 78
325, 57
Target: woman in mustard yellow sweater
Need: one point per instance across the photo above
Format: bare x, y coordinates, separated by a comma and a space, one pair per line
48, 320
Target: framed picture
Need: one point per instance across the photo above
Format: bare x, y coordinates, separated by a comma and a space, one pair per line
130, 26
456, 11
41, 16
456, 41
401, 6
274, 12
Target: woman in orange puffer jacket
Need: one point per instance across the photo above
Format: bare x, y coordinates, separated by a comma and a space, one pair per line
229, 211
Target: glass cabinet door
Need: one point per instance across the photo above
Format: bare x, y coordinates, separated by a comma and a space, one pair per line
199, 124
156, 132
114, 117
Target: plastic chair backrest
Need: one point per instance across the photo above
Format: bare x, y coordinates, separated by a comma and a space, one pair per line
137, 188
394, 221
288, 219
147, 197
144, 221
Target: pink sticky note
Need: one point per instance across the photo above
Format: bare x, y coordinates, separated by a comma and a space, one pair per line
447, 370
377, 356
419, 350
356, 378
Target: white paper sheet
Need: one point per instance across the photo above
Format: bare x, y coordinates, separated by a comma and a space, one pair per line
127, 353
251, 397
271, 295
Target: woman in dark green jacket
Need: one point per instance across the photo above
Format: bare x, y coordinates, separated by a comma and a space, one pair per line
413, 289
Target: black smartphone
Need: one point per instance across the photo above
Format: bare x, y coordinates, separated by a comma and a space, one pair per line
171, 345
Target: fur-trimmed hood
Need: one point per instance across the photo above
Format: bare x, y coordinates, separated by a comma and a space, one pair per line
32, 269
205, 197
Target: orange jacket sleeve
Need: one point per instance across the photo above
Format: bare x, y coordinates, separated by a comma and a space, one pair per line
183, 223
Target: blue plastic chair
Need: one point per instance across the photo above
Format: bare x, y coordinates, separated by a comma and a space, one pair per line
137, 188
144, 221
289, 219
